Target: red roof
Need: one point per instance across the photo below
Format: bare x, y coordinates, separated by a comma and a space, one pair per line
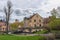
46, 20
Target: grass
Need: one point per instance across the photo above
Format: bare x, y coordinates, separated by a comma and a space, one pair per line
13, 37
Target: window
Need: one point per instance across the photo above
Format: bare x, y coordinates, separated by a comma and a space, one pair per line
34, 20
30, 20
0, 28
40, 24
35, 25
3, 29
39, 20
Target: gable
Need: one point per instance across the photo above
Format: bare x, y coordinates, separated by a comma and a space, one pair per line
33, 16
36, 16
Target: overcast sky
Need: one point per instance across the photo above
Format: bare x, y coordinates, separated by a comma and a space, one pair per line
31, 6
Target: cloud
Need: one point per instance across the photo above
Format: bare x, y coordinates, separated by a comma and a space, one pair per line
50, 4
28, 7
24, 4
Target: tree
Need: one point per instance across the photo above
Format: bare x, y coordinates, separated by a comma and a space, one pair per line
14, 26
8, 12
21, 23
30, 29
58, 10
55, 25
54, 12
54, 22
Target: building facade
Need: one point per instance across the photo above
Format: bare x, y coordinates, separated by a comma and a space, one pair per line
33, 21
2, 25
46, 21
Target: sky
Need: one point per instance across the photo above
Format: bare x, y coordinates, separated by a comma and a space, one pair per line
24, 8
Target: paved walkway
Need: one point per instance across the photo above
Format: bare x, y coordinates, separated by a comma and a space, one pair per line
50, 34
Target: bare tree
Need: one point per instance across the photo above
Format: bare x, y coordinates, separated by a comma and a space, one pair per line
8, 12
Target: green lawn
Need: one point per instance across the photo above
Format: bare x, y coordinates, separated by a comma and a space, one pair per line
13, 37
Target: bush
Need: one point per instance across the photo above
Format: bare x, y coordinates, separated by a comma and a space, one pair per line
42, 32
